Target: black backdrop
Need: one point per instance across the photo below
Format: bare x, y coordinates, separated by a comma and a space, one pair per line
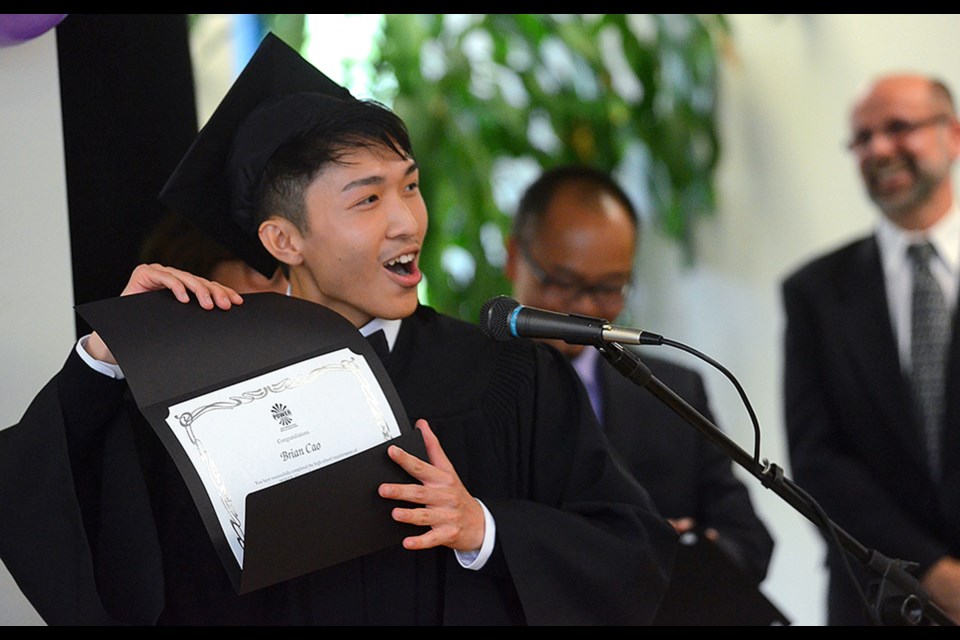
129, 115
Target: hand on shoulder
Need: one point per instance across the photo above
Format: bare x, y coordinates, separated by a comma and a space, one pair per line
155, 277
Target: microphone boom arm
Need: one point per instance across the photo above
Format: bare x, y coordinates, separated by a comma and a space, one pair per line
906, 603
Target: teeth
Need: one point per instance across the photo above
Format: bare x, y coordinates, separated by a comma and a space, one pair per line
404, 259
889, 168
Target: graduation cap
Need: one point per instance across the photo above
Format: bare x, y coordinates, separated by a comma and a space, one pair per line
276, 97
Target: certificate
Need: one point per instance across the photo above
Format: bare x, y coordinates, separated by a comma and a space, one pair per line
278, 415
274, 427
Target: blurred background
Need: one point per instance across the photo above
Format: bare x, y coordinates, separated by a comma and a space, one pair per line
727, 130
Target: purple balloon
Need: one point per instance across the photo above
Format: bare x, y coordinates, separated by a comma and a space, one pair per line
20, 27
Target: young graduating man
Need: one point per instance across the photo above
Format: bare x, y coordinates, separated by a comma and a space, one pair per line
528, 519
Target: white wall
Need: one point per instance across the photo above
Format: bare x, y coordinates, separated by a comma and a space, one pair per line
787, 191
36, 312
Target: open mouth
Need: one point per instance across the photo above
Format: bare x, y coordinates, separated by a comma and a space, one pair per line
402, 265
892, 168
891, 181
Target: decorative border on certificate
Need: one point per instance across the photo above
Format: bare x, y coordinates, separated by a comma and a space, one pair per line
277, 426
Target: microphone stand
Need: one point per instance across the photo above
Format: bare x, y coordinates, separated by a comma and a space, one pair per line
900, 600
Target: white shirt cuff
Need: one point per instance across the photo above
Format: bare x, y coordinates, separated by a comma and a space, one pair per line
107, 369
476, 559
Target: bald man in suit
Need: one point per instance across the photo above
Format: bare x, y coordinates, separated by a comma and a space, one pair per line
858, 442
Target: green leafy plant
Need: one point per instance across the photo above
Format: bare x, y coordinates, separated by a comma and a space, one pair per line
491, 99
487, 94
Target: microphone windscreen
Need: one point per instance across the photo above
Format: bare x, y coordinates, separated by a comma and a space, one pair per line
495, 317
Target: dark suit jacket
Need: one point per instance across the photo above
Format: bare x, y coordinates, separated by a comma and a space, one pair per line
855, 440
685, 473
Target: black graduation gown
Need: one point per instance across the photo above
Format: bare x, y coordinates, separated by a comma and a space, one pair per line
99, 527
685, 472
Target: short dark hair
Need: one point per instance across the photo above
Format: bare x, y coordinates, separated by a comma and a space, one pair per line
354, 125
179, 243
537, 197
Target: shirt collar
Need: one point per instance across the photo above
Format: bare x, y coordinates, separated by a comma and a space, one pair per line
944, 235
586, 365
390, 327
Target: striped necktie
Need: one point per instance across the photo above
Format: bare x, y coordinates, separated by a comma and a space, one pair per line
930, 335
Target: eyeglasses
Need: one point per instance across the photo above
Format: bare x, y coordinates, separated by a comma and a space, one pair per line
895, 130
567, 291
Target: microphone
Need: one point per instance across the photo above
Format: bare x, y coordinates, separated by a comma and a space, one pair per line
503, 318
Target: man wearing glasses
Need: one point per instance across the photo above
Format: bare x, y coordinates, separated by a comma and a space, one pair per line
872, 367
571, 250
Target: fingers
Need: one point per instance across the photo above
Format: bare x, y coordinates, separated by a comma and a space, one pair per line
154, 277
681, 525
438, 465
457, 525
435, 453
419, 469
454, 518
434, 537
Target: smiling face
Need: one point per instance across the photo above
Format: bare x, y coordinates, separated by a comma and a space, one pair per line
366, 221
905, 141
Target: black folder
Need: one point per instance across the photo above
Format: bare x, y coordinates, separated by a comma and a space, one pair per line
170, 352
708, 588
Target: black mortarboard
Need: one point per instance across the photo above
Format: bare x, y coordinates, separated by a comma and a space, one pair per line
277, 96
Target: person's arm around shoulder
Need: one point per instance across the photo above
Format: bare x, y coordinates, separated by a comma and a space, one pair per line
154, 277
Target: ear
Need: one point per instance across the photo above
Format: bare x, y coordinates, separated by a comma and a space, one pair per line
513, 255
282, 239
955, 138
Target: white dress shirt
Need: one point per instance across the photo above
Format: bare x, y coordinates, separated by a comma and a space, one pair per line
898, 275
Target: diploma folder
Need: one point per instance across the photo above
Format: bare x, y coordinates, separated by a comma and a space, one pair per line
708, 589
171, 352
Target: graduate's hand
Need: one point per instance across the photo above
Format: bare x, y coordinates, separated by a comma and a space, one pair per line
455, 518
154, 277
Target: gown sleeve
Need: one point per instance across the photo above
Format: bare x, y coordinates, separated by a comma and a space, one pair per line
583, 542
78, 530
